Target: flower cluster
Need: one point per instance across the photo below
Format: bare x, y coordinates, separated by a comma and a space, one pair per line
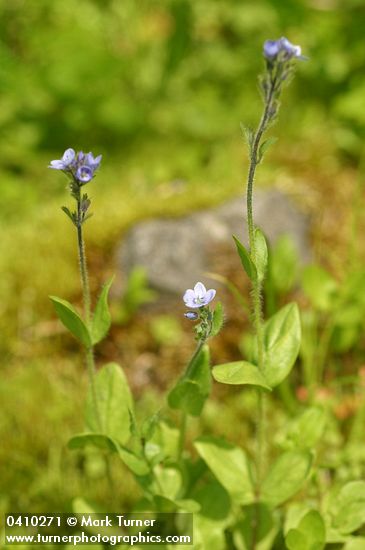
282, 48
80, 166
199, 296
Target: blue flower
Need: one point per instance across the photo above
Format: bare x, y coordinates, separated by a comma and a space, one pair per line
66, 162
80, 166
290, 49
92, 162
273, 48
84, 174
198, 297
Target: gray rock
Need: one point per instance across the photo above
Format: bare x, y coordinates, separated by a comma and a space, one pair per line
177, 252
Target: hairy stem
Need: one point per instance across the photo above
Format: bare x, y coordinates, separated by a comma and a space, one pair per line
257, 302
83, 265
256, 284
184, 416
90, 361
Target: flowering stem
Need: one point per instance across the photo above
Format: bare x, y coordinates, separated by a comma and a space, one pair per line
184, 416
83, 266
256, 284
257, 293
90, 361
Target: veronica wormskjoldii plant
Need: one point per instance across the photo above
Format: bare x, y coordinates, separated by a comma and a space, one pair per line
192, 389
80, 169
276, 341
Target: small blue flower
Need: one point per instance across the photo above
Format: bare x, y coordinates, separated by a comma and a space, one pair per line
66, 162
79, 166
92, 162
290, 49
84, 174
273, 48
198, 297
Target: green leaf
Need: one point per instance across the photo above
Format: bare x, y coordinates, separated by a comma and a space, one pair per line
257, 528
286, 477
135, 463
282, 334
248, 134
71, 215
320, 287
239, 372
71, 320
149, 426
246, 260
208, 534
348, 507
193, 388
230, 466
218, 319
310, 534
114, 402
261, 253
215, 502
101, 319
265, 146
168, 481
306, 430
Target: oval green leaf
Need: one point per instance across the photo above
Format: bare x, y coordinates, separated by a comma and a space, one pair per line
193, 388
218, 319
282, 334
115, 404
239, 372
101, 320
230, 466
286, 477
310, 534
261, 254
72, 320
348, 507
246, 260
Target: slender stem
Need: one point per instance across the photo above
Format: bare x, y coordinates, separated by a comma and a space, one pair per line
184, 416
257, 305
83, 265
90, 361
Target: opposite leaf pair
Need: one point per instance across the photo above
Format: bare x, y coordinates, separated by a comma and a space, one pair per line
88, 335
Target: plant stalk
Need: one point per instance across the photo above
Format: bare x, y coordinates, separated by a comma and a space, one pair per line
184, 416
90, 361
257, 305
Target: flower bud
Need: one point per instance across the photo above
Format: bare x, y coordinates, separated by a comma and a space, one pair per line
191, 315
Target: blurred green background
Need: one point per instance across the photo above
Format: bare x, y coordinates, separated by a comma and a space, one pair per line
159, 87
